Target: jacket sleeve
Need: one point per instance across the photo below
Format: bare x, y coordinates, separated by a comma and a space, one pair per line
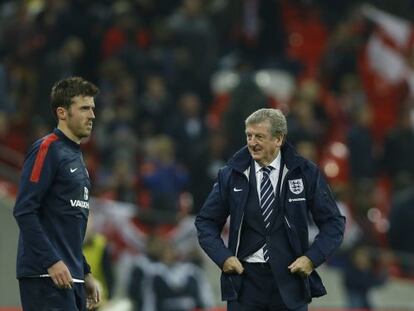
328, 219
28, 204
210, 222
86, 266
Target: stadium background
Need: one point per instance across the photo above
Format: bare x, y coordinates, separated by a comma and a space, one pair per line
177, 79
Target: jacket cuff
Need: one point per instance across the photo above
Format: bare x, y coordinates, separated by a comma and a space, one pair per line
222, 258
86, 268
50, 261
316, 257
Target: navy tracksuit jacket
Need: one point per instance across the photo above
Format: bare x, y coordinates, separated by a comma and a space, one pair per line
303, 190
52, 207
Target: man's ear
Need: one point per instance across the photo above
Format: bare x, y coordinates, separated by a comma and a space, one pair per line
280, 138
61, 113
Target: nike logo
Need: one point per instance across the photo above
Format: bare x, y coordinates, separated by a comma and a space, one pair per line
237, 189
72, 170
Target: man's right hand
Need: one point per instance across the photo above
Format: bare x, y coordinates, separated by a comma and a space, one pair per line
60, 275
233, 265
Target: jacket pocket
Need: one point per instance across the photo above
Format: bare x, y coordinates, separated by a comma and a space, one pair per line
317, 289
230, 286
307, 289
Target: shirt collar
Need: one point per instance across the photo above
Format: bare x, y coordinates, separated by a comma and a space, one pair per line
69, 141
275, 163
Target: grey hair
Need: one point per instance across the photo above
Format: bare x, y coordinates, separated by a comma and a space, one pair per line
277, 120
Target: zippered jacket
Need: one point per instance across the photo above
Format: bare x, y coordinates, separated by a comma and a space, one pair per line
303, 191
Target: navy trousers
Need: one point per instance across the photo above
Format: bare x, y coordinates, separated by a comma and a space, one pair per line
41, 294
259, 291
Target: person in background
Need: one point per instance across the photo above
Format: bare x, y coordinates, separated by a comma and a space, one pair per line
361, 274
96, 251
52, 208
161, 281
268, 191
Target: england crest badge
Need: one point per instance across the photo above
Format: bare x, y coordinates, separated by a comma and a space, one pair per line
296, 185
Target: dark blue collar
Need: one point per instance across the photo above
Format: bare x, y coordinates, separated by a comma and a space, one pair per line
66, 139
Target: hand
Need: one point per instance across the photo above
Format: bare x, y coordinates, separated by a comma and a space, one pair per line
232, 264
302, 266
93, 292
60, 275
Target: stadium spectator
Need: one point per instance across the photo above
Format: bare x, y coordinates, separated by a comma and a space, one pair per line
97, 254
361, 274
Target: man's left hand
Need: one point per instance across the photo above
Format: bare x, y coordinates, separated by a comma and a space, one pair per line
302, 266
93, 290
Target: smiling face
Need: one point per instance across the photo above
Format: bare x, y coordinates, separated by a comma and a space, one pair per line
262, 146
77, 121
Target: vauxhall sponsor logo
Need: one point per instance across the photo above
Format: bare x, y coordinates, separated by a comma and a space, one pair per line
79, 203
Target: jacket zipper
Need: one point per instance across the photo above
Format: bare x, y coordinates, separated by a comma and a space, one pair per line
287, 222
239, 234
284, 177
241, 222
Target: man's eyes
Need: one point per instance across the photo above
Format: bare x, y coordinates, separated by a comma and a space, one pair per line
258, 137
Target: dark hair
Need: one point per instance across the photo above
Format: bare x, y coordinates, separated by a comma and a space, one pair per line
64, 90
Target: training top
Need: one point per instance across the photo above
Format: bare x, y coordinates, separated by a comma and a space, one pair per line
52, 207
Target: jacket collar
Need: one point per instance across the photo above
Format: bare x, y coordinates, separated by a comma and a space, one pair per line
66, 139
241, 160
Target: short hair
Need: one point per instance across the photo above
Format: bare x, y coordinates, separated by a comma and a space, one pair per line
277, 120
64, 90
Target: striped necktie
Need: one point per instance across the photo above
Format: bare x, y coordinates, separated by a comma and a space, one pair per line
267, 198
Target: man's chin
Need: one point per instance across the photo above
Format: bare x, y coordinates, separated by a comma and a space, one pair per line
86, 134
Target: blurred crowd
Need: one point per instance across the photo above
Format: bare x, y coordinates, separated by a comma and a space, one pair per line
177, 80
